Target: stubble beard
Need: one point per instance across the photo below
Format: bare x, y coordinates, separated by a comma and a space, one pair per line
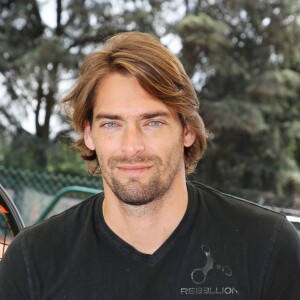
137, 193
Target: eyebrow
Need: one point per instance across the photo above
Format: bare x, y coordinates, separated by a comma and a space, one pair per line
151, 115
107, 116
144, 116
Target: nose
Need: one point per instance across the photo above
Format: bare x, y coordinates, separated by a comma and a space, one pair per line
132, 141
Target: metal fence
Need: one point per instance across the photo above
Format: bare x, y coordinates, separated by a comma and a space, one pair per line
32, 191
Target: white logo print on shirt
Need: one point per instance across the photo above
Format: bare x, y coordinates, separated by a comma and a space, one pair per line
198, 276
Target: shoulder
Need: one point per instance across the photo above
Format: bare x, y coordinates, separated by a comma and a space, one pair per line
234, 213
60, 226
213, 198
266, 236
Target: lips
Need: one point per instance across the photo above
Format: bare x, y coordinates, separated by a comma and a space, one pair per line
134, 170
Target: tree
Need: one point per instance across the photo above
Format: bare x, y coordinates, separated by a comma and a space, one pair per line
247, 55
40, 59
243, 57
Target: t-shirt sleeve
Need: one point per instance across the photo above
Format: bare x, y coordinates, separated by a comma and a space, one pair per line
283, 272
13, 274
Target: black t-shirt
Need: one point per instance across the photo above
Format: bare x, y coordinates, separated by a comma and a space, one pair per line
223, 248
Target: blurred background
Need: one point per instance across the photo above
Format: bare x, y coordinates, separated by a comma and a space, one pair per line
243, 58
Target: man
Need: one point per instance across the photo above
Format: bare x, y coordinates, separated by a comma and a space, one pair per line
152, 234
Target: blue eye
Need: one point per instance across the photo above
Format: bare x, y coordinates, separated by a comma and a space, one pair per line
155, 123
110, 125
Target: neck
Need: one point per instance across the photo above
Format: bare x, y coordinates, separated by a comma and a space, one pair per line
148, 226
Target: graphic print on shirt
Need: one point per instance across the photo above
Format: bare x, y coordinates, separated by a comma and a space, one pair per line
199, 276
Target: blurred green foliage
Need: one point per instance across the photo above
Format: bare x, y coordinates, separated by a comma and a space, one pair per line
243, 57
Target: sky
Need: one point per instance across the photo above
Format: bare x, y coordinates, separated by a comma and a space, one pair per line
47, 10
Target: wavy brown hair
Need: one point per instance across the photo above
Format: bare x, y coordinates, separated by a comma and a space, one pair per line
157, 70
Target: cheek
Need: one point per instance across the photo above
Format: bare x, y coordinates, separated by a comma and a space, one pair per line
105, 148
173, 151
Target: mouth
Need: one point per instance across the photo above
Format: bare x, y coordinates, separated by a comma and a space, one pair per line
134, 170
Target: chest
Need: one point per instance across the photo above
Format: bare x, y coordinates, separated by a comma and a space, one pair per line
189, 271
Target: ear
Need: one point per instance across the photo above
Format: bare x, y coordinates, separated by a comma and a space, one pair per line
189, 136
87, 135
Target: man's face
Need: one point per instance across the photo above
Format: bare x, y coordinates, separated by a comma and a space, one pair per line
139, 141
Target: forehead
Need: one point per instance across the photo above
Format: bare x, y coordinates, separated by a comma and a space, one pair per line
122, 94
